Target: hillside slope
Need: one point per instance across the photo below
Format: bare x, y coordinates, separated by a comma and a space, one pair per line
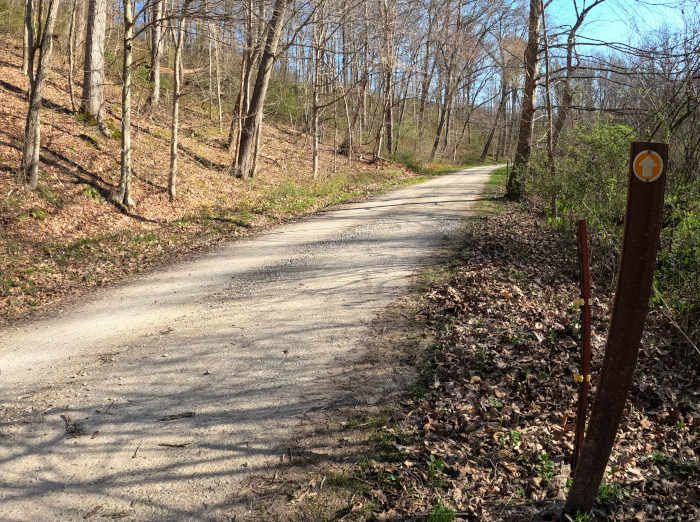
65, 238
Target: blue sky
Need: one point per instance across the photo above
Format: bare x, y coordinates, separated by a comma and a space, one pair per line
617, 20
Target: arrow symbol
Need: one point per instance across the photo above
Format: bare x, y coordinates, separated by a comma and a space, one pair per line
648, 165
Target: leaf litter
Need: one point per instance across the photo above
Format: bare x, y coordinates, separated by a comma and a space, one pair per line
489, 430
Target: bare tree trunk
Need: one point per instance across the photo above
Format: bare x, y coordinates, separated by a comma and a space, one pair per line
467, 123
380, 132
514, 187
235, 131
314, 123
501, 106
28, 41
123, 192
32, 128
318, 41
93, 78
256, 152
443, 115
511, 125
448, 125
426, 78
348, 143
218, 76
550, 115
35, 40
254, 116
177, 75
335, 136
348, 140
500, 148
157, 38
211, 73
390, 111
398, 125
71, 54
80, 28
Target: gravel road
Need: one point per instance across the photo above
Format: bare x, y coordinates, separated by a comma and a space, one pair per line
249, 337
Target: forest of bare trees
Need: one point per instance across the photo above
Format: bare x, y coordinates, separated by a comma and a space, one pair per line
413, 81
394, 77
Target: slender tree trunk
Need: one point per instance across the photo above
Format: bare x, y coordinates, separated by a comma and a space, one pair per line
550, 115
80, 28
314, 124
448, 121
515, 185
398, 126
501, 106
93, 78
34, 46
254, 116
177, 75
335, 136
500, 148
218, 75
443, 115
348, 144
318, 40
71, 55
235, 132
467, 122
211, 73
390, 111
380, 132
348, 139
511, 124
123, 193
32, 128
256, 152
425, 79
157, 38
28, 41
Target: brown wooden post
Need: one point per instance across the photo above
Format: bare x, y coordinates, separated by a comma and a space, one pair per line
585, 378
645, 199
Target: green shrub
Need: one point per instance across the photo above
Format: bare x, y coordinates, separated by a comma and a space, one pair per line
410, 160
590, 180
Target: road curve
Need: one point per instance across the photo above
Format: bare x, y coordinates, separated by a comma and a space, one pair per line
249, 337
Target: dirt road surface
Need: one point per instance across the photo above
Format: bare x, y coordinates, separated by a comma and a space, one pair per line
249, 337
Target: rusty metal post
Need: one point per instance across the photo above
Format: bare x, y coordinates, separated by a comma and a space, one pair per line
645, 198
584, 378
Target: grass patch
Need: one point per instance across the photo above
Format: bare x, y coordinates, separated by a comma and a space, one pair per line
38, 213
498, 179
441, 513
339, 480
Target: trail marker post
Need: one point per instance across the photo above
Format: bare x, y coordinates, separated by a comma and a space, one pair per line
640, 240
584, 379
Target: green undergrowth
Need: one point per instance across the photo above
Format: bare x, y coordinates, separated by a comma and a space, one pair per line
411, 160
595, 189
